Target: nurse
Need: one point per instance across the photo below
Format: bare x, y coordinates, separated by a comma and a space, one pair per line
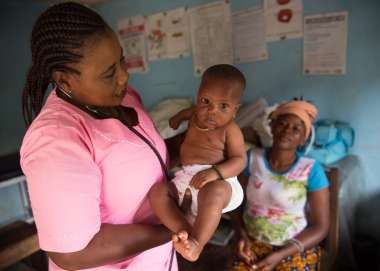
87, 165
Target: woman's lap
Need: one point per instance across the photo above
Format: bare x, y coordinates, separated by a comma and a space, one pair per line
308, 260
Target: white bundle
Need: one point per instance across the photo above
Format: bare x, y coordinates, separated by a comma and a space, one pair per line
262, 126
248, 113
163, 111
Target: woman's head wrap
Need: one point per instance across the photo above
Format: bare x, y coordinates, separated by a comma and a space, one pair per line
306, 111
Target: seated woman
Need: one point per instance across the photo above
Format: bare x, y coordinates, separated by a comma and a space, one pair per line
276, 233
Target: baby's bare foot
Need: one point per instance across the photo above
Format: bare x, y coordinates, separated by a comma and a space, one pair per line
188, 247
180, 237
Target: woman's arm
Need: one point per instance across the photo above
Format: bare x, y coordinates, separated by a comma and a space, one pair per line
112, 244
173, 144
312, 235
319, 219
115, 243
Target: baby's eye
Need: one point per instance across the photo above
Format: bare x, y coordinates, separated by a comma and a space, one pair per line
204, 101
111, 75
224, 106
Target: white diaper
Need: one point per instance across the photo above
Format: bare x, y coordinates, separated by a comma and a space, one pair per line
182, 182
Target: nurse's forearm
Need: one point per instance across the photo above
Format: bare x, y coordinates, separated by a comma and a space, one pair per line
173, 144
112, 244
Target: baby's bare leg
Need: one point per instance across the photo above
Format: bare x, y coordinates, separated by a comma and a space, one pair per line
164, 201
212, 198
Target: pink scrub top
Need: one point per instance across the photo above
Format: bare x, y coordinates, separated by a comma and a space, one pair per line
82, 172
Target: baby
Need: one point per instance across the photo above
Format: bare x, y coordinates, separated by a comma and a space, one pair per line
212, 155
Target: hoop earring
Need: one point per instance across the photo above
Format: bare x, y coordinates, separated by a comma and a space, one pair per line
68, 93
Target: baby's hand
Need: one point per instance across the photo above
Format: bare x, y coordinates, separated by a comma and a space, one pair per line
174, 123
203, 177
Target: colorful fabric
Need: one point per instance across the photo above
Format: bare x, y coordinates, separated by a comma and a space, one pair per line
308, 260
83, 172
317, 178
307, 112
275, 203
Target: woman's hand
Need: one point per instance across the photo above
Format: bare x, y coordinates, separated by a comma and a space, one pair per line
203, 177
244, 250
269, 262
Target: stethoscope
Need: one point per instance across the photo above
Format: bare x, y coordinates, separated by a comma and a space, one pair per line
120, 113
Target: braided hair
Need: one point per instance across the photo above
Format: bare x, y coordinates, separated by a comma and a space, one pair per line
58, 36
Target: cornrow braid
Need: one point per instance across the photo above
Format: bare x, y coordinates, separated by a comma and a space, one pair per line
57, 39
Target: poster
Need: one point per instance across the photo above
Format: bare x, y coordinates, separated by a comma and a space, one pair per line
177, 29
283, 19
131, 33
325, 43
167, 34
248, 35
156, 36
211, 35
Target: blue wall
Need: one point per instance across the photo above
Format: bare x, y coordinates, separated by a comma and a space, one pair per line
16, 20
353, 97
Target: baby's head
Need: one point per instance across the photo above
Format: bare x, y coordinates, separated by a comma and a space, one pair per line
232, 80
219, 96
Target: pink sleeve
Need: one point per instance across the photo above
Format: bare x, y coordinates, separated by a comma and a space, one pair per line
64, 185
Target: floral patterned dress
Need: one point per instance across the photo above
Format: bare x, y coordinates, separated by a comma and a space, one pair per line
275, 207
